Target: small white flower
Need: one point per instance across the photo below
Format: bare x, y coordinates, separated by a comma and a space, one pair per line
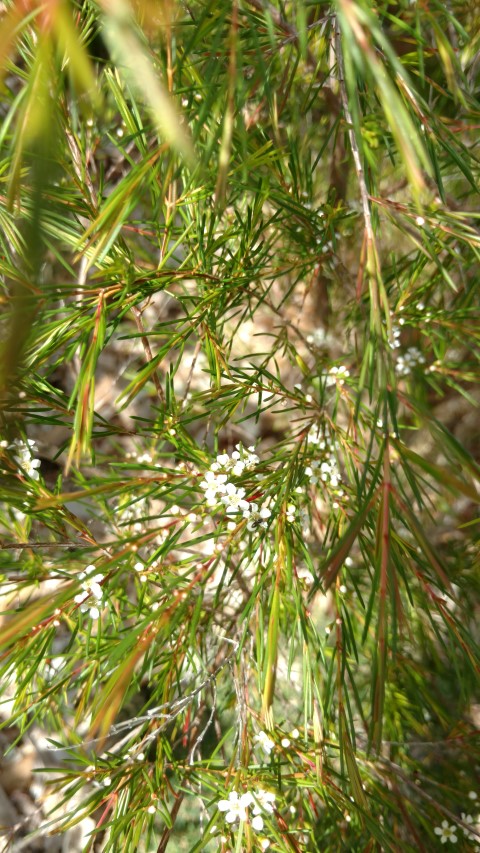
472, 795
213, 485
257, 517
446, 832
264, 843
234, 500
285, 742
236, 807
411, 358
90, 586
295, 734
223, 461
23, 456
304, 575
262, 739
251, 459
265, 801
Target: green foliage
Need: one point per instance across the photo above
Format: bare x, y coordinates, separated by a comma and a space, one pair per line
239, 251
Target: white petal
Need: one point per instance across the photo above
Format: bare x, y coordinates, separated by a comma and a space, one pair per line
257, 823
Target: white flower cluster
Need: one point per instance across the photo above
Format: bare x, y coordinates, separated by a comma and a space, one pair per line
236, 807
469, 820
91, 587
23, 455
450, 832
324, 469
241, 460
410, 359
394, 342
337, 376
219, 489
327, 471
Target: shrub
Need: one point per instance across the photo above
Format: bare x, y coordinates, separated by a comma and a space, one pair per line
239, 256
